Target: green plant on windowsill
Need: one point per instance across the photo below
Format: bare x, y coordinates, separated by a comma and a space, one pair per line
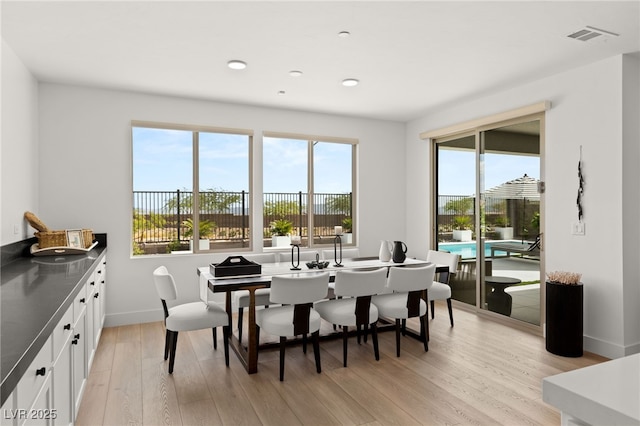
281, 227
347, 224
204, 231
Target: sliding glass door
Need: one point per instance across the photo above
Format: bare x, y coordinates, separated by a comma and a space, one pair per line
488, 211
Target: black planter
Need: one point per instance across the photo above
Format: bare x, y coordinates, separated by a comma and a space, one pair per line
564, 319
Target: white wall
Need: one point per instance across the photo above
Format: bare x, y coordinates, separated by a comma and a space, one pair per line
85, 178
19, 148
586, 111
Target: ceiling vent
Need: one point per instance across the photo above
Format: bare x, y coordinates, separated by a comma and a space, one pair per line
589, 33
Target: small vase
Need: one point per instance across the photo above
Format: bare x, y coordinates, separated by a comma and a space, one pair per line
385, 251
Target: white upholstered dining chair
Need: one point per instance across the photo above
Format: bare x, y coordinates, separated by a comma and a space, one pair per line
296, 293
187, 316
408, 285
241, 297
441, 290
353, 307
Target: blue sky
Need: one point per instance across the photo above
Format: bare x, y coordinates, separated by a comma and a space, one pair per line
456, 170
162, 161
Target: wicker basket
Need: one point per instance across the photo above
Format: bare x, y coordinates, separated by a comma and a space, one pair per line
59, 238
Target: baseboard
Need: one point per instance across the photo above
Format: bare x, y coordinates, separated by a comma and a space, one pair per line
608, 349
127, 318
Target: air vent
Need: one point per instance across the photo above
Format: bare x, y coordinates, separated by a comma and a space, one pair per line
589, 33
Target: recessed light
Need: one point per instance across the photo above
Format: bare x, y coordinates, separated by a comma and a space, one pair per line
344, 34
350, 82
295, 73
281, 92
236, 64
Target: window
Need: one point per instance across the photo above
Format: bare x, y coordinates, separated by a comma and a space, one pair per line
308, 185
179, 170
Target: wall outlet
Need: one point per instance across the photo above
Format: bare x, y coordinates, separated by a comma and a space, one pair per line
577, 228
16, 229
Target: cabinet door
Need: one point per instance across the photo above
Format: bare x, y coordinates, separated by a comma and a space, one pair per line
62, 384
89, 317
79, 361
101, 278
41, 412
9, 415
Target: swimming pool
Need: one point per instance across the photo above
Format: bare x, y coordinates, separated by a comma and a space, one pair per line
468, 250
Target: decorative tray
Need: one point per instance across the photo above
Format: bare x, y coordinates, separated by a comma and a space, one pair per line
59, 251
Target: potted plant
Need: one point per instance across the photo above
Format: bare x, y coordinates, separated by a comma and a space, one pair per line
205, 228
462, 228
281, 233
347, 227
564, 313
503, 228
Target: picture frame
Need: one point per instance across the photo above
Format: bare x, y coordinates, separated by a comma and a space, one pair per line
75, 238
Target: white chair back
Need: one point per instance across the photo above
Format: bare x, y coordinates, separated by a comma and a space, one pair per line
261, 258
165, 285
305, 256
302, 288
347, 253
360, 283
405, 279
443, 258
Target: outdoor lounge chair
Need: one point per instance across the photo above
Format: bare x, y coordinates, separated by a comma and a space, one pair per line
525, 249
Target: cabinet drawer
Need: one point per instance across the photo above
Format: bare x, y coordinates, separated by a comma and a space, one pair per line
31, 382
62, 332
79, 304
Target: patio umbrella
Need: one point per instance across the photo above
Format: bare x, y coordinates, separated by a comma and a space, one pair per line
524, 187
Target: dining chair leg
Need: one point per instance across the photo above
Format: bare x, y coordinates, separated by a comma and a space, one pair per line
316, 350
358, 331
215, 339
374, 338
404, 326
397, 337
424, 332
172, 356
240, 317
366, 331
225, 343
433, 310
283, 344
345, 340
450, 311
167, 344
304, 343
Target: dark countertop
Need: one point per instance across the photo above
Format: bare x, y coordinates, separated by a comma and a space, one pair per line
34, 295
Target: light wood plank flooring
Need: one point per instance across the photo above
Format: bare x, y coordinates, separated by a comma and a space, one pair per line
478, 372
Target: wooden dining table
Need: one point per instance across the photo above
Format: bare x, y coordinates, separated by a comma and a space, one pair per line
248, 355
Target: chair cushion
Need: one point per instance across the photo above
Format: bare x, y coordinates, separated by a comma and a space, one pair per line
395, 305
196, 316
439, 291
262, 297
278, 321
342, 311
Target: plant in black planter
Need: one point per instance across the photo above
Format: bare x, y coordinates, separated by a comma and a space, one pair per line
564, 306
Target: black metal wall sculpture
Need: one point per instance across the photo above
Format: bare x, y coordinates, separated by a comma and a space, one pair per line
580, 186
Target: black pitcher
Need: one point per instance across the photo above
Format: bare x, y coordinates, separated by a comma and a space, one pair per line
399, 252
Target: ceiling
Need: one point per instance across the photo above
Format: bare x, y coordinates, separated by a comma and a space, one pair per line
410, 57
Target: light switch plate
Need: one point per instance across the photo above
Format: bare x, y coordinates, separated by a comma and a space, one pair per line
577, 228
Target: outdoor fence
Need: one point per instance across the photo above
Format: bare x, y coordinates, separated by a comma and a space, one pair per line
518, 213
165, 216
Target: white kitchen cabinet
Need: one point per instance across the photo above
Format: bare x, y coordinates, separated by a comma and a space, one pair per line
61, 373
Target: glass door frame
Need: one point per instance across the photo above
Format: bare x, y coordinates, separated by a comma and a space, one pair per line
477, 129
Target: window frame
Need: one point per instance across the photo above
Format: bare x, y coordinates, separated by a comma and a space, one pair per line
195, 133
311, 139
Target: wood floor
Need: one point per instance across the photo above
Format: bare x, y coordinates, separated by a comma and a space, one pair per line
478, 372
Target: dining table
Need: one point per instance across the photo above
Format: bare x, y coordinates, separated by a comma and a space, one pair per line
248, 355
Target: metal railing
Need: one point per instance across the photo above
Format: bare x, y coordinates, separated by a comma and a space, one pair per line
165, 216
